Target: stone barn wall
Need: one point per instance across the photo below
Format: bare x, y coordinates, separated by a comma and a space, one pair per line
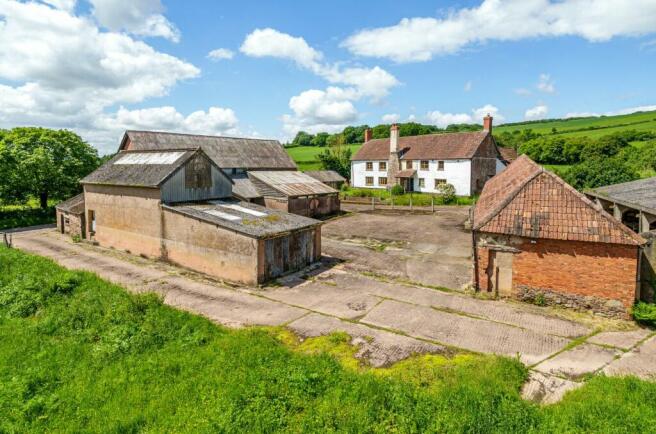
127, 218
591, 276
73, 224
212, 250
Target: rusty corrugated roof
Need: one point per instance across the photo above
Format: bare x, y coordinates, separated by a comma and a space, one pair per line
226, 152
527, 201
425, 147
291, 183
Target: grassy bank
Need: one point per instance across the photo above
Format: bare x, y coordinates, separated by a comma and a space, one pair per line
418, 199
80, 354
305, 157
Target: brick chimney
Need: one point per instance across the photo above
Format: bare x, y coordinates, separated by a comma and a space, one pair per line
394, 163
394, 138
367, 135
487, 123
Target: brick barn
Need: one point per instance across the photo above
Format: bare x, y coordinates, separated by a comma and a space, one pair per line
538, 239
177, 205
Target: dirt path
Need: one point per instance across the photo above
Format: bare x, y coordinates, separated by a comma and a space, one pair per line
389, 321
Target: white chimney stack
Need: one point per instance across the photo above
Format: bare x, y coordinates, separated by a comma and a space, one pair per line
394, 139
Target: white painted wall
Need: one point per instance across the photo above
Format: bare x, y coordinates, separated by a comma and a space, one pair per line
359, 173
500, 166
456, 172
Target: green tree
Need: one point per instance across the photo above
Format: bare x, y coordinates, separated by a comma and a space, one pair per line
320, 139
336, 157
600, 171
302, 139
43, 163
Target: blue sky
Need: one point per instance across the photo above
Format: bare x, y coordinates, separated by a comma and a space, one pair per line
101, 66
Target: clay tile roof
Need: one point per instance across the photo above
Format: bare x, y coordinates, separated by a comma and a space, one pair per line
226, 152
425, 147
508, 154
527, 201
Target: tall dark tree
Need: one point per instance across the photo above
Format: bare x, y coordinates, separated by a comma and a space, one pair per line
43, 163
337, 157
302, 139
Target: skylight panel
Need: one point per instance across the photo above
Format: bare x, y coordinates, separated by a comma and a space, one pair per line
150, 158
245, 210
223, 215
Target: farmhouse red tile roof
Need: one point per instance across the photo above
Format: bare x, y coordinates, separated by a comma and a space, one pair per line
526, 200
508, 154
425, 147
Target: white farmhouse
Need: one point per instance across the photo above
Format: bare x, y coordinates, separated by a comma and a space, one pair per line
422, 163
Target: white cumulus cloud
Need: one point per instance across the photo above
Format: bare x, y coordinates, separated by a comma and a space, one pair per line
421, 38
624, 111
220, 54
139, 17
540, 111
318, 110
546, 84
390, 118
63, 71
442, 120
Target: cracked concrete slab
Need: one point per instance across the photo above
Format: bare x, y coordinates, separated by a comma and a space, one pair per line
621, 339
546, 389
641, 362
378, 347
328, 299
578, 361
494, 310
464, 332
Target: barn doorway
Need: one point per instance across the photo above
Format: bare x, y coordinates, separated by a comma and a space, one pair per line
500, 275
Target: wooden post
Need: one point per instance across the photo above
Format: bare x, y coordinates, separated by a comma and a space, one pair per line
433, 204
410, 200
392, 198
373, 204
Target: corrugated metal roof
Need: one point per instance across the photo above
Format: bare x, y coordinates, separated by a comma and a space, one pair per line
292, 183
325, 175
527, 201
74, 205
425, 147
241, 217
135, 173
640, 194
244, 188
227, 152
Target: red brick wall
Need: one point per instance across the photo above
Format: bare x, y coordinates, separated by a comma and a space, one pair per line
600, 270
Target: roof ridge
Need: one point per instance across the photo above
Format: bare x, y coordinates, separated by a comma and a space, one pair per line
597, 209
199, 135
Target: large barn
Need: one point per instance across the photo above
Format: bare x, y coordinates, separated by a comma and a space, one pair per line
177, 205
537, 238
261, 170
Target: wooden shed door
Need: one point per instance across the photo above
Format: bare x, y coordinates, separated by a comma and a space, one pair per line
500, 273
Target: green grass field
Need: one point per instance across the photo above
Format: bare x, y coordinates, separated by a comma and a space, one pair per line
306, 156
592, 127
78, 354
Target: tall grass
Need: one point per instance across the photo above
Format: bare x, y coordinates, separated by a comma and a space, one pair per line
80, 354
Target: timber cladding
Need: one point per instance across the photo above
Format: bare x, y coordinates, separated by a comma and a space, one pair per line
598, 270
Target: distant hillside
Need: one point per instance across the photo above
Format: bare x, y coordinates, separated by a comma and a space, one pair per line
586, 126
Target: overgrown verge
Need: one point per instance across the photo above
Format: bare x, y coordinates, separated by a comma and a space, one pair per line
21, 216
80, 354
385, 197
